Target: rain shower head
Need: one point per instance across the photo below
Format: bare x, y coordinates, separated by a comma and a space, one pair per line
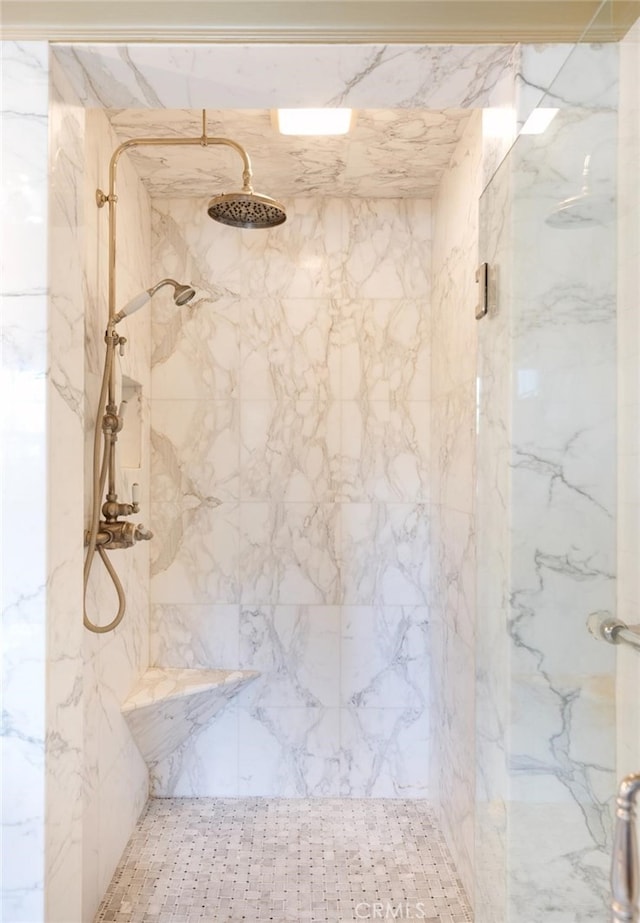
246, 209
181, 295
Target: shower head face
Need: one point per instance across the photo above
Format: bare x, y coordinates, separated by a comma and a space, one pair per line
246, 210
183, 294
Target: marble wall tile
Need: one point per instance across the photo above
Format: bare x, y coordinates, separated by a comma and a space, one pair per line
385, 243
391, 153
385, 350
628, 503
289, 553
385, 657
330, 393
195, 451
380, 751
384, 553
195, 636
453, 540
289, 751
65, 466
195, 558
117, 814
24, 104
454, 425
290, 450
385, 452
296, 649
195, 349
190, 76
290, 349
493, 587
207, 765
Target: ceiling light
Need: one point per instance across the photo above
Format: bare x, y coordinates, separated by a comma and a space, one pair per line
539, 121
314, 121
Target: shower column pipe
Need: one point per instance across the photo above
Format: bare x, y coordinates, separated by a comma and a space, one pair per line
112, 199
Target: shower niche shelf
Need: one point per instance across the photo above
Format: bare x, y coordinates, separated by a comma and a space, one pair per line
166, 706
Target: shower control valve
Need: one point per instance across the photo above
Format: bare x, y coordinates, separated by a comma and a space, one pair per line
111, 509
121, 534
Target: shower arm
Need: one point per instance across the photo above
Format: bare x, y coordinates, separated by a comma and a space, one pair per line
111, 199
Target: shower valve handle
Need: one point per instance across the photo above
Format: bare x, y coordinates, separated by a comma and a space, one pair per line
120, 534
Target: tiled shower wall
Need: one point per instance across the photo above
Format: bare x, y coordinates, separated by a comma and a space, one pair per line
453, 435
628, 672
291, 483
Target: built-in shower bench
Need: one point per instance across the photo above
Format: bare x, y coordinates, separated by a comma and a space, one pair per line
166, 706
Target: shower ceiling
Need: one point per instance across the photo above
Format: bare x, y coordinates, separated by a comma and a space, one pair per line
391, 153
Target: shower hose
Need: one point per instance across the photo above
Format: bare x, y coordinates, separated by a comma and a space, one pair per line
99, 478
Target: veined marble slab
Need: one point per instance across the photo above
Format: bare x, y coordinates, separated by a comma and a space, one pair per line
166, 706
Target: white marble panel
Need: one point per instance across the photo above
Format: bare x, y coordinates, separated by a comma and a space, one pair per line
385, 452
453, 538
384, 753
190, 76
24, 104
289, 752
289, 354
493, 495
289, 553
206, 766
195, 552
196, 352
453, 437
290, 349
385, 657
385, 349
195, 450
387, 153
628, 506
65, 509
289, 450
385, 248
303, 258
537, 68
194, 636
384, 553
296, 649
117, 814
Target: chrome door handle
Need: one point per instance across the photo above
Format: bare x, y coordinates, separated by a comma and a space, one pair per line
625, 875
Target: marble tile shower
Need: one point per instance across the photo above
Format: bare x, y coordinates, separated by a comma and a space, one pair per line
290, 492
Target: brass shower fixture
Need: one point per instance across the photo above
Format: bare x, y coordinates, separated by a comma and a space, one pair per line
244, 209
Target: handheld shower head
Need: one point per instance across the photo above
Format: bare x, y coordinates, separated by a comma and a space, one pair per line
181, 295
246, 209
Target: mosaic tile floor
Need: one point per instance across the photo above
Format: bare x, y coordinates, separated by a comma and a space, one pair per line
223, 860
